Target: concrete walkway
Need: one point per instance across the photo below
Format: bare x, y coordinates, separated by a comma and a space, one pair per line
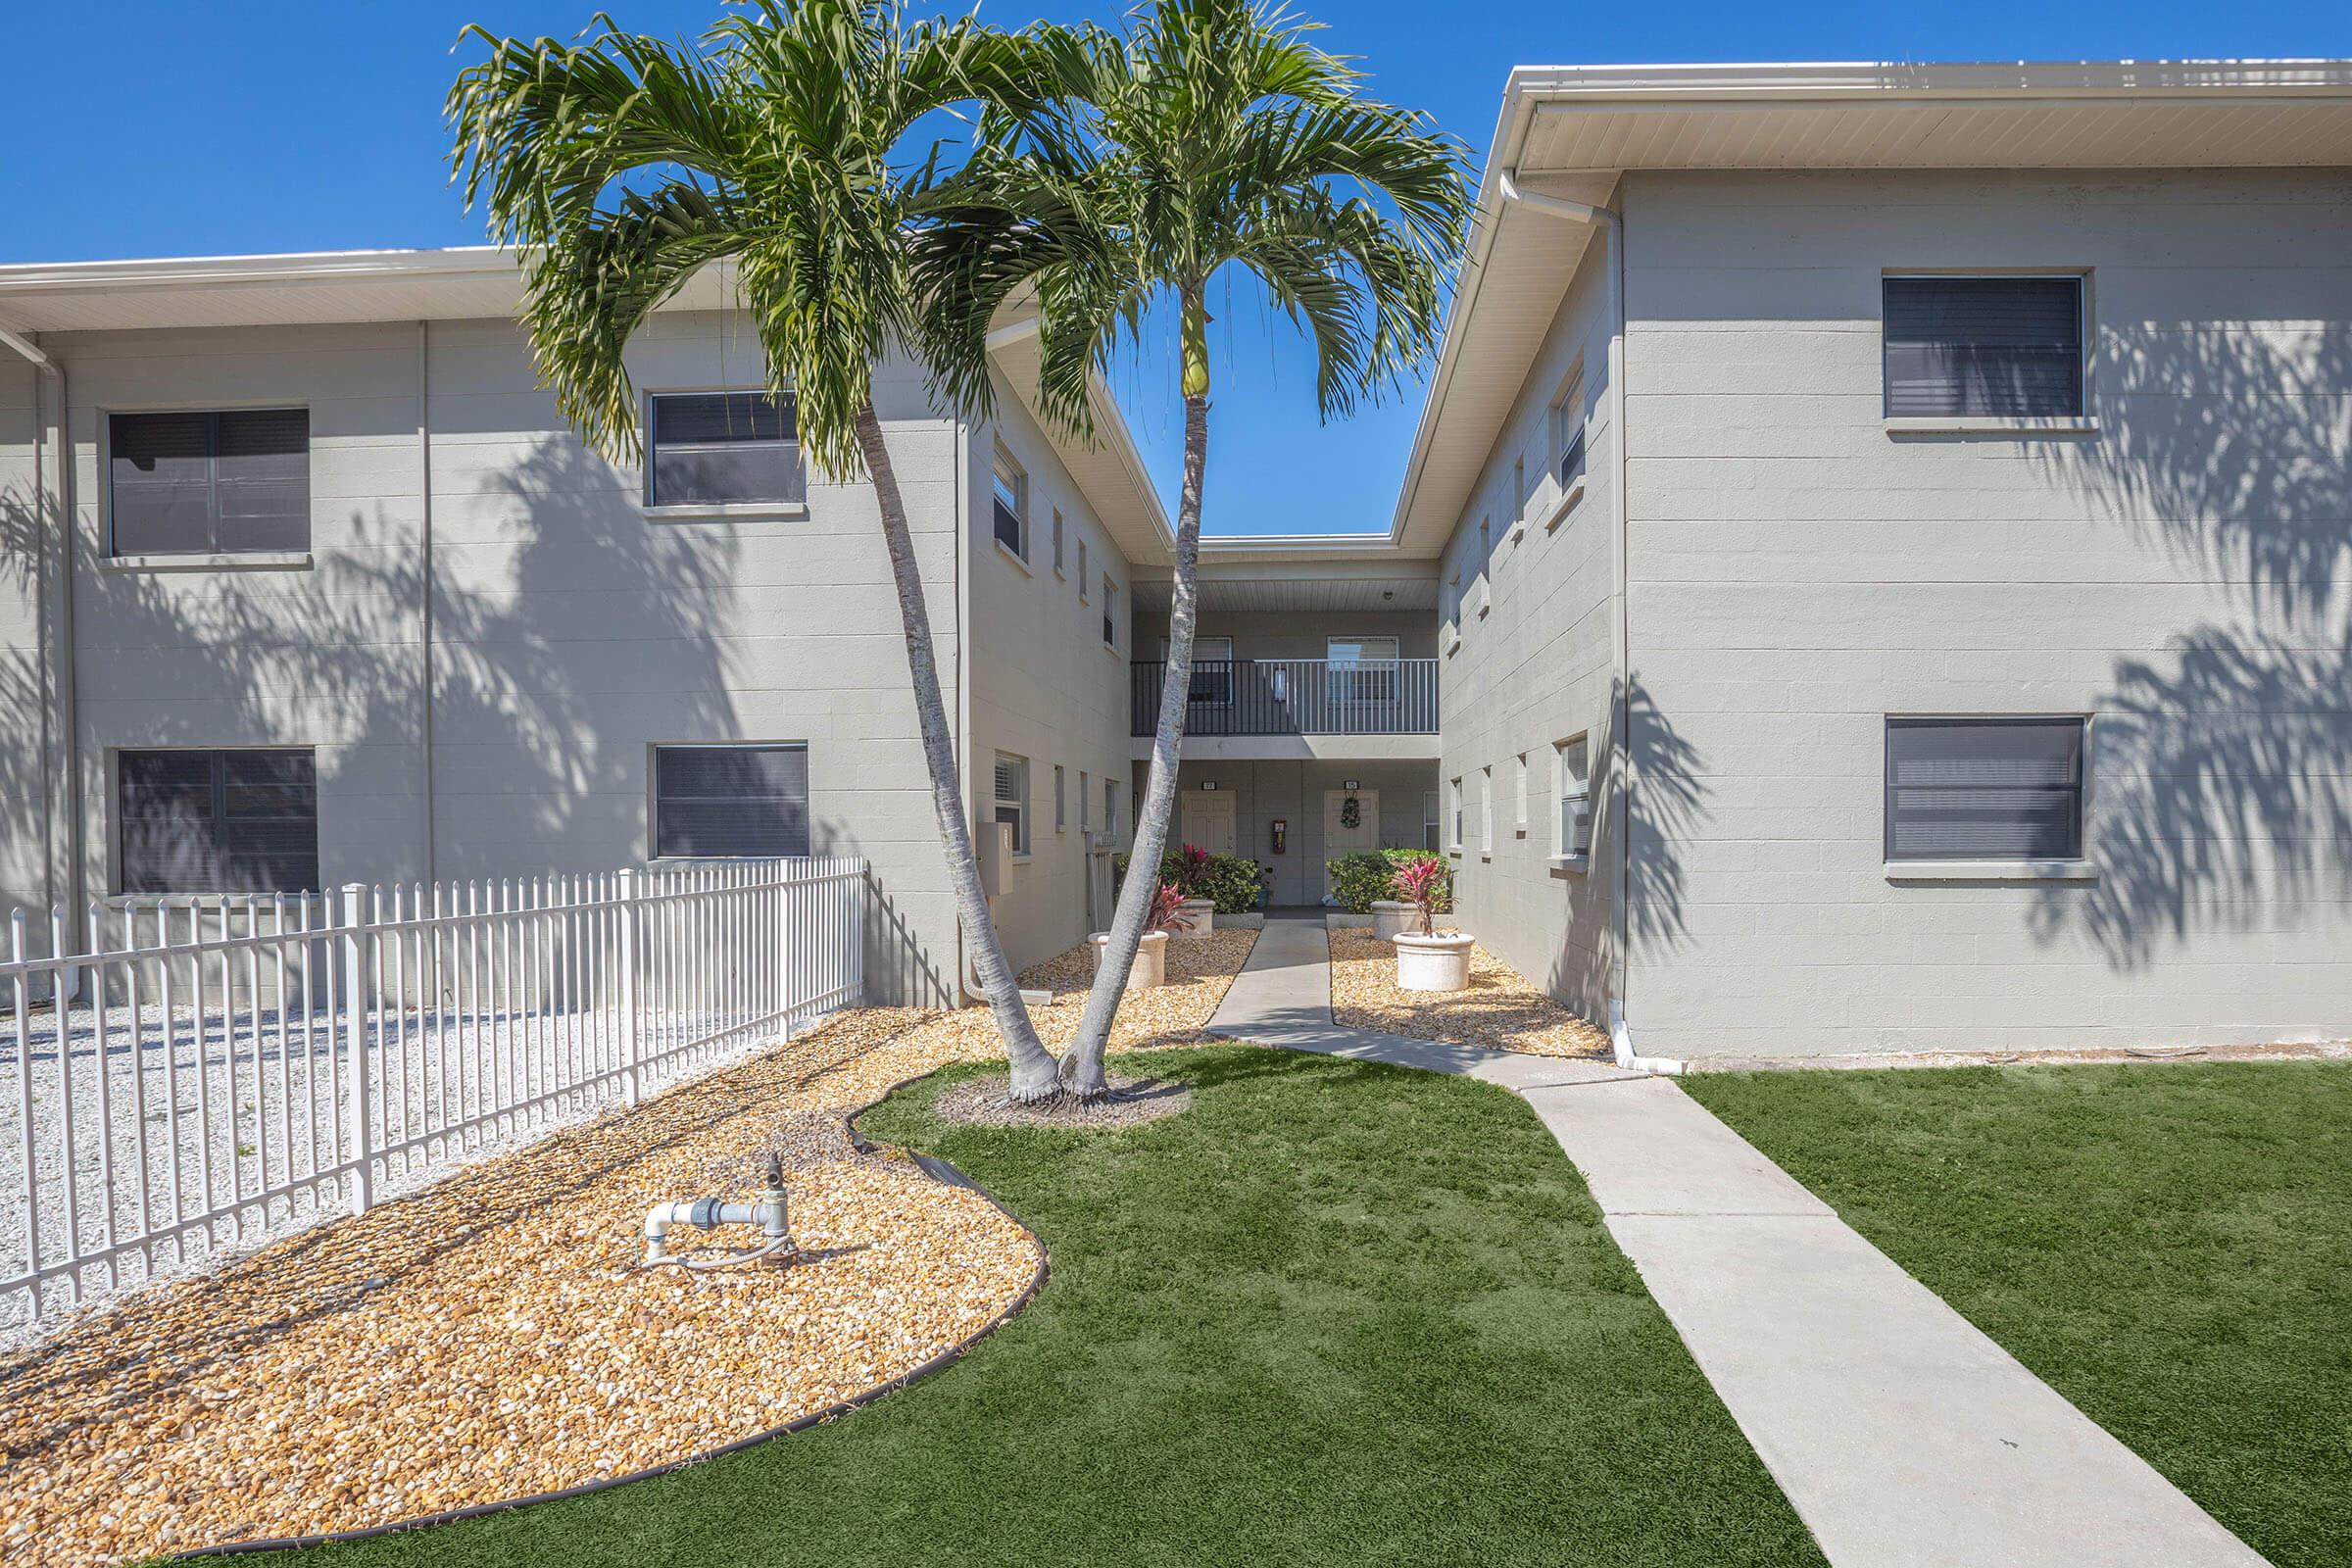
1903, 1437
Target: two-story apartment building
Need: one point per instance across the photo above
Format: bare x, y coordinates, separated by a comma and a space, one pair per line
1871, 572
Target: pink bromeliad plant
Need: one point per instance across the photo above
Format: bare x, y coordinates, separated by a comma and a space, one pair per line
1167, 908
1420, 883
1191, 867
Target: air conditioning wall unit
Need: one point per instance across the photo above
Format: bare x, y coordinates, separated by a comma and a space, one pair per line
995, 844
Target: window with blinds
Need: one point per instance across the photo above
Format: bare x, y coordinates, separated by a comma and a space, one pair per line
731, 802
1012, 799
1572, 767
726, 449
232, 481
1568, 432
1985, 789
1983, 347
217, 821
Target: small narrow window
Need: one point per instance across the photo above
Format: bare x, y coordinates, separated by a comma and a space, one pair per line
1012, 799
230, 482
1985, 789
1983, 347
1010, 489
1082, 571
1110, 613
1485, 810
1574, 823
1568, 432
1056, 541
1086, 808
1518, 493
1431, 831
731, 802
1110, 806
1519, 792
726, 449
218, 821
1454, 800
1061, 811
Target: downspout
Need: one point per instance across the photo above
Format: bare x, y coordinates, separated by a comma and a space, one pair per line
58, 456
1621, 1038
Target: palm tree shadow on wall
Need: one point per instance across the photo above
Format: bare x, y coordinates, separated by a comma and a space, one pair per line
2222, 768
569, 632
1669, 806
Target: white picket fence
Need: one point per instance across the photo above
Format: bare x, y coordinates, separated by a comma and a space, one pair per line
205, 1075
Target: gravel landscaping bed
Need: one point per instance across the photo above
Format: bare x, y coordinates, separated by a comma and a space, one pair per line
1501, 1011
491, 1336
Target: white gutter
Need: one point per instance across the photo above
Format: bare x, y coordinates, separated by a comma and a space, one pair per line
1621, 1038
58, 455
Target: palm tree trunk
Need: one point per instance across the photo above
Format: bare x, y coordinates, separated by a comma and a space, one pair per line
1033, 1066
1082, 1073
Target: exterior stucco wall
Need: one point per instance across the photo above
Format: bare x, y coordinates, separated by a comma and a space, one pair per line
571, 630
1044, 685
24, 880
1535, 669
1798, 574
1301, 634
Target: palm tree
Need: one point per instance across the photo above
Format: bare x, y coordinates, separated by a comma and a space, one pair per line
622, 165
1125, 172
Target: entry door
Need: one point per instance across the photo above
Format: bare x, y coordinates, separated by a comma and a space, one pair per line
1338, 837
1208, 820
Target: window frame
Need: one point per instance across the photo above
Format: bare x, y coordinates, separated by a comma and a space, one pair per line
2080, 421
1058, 531
1110, 806
1007, 469
1486, 812
1219, 681
1110, 613
1454, 800
1571, 787
1082, 588
216, 784
1570, 440
654, 855
1061, 809
116, 557
2076, 866
653, 507
999, 803
1433, 826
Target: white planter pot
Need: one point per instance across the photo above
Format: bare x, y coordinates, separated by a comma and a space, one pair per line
1439, 962
1390, 919
1150, 968
1198, 918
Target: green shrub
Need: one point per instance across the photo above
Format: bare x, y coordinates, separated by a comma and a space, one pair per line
1356, 880
1231, 880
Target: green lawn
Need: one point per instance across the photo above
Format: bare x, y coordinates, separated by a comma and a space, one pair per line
1336, 1312
2170, 1247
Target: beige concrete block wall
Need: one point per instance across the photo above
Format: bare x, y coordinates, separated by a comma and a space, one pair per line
1044, 685
25, 879
571, 632
1535, 669
2181, 576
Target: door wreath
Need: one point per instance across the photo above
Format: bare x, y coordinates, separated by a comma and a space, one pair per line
1351, 812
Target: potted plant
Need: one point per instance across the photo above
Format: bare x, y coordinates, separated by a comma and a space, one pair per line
1152, 956
1199, 912
1426, 958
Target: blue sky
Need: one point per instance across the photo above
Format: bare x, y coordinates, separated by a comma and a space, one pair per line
239, 127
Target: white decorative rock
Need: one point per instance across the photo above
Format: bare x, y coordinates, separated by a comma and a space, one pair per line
1197, 917
1438, 962
1150, 967
1390, 919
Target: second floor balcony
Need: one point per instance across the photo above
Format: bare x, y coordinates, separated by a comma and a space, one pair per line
1300, 697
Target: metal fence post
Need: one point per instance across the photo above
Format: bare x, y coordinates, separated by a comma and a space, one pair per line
626, 941
356, 1008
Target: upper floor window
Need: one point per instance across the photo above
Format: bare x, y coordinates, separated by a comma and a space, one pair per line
1057, 540
231, 481
1985, 789
1111, 612
1568, 432
713, 449
1573, 780
1009, 487
218, 821
1212, 671
1983, 347
1082, 571
732, 801
1362, 669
